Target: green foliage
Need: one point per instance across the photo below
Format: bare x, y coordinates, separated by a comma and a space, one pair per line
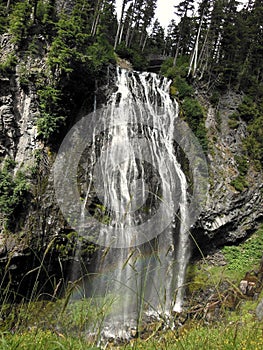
50, 121
8, 66
3, 17
36, 339
20, 21
171, 71
133, 55
195, 117
191, 108
74, 60
240, 183
183, 88
13, 191
242, 164
252, 112
49, 125
240, 330
248, 110
100, 54
66, 46
254, 142
214, 99
246, 256
233, 121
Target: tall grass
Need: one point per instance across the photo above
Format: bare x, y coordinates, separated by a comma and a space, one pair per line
77, 323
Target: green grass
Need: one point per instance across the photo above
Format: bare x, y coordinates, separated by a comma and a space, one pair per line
66, 324
216, 337
36, 339
237, 331
246, 256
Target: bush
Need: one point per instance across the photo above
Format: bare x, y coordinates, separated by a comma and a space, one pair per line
136, 58
253, 144
191, 108
8, 66
248, 110
214, 99
239, 183
20, 21
194, 115
181, 68
13, 192
183, 88
49, 125
100, 54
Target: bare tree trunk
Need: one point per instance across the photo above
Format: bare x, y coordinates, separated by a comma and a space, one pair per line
121, 33
8, 5
127, 39
95, 23
120, 27
145, 41
176, 51
193, 61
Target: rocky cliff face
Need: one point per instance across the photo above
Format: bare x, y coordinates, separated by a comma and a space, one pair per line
229, 216
36, 240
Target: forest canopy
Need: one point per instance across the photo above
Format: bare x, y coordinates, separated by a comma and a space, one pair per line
216, 45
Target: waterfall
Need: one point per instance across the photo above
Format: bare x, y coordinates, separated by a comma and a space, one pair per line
120, 184
137, 176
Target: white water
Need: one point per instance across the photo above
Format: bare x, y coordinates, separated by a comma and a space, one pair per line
141, 271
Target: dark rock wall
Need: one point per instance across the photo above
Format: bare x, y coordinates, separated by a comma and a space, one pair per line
230, 215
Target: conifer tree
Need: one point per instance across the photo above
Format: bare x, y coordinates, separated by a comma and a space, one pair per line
183, 9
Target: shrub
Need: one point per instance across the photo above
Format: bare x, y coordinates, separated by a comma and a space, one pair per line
239, 183
248, 110
183, 88
253, 144
136, 58
13, 192
194, 115
8, 66
214, 99
20, 21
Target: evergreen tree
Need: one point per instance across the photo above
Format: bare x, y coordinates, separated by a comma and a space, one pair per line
183, 9
198, 52
119, 33
157, 42
171, 38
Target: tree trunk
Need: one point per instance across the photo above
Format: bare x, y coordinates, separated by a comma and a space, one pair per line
193, 61
95, 23
120, 27
8, 5
177, 51
127, 39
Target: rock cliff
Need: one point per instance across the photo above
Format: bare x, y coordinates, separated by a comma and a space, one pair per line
230, 214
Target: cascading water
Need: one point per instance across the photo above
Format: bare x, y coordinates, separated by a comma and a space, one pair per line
120, 184
138, 179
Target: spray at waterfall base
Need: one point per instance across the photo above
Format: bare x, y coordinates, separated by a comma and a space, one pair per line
120, 184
